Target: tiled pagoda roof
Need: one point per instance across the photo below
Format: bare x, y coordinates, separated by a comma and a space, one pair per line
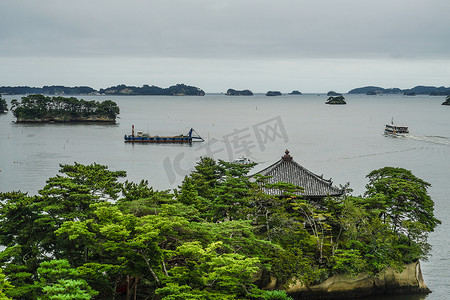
287, 170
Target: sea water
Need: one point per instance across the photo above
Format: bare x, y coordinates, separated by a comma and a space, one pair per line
342, 142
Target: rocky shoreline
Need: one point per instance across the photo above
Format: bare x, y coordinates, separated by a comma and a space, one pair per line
389, 282
67, 120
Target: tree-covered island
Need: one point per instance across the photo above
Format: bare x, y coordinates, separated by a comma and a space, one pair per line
447, 101
417, 90
3, 105
295, 92
174, 90
48, 90
232, 92
40, 108
88, 234
273, 93
336, 100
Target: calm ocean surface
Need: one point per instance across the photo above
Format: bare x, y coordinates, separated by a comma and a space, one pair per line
343, 142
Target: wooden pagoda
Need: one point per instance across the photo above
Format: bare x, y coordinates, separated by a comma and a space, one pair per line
287, 170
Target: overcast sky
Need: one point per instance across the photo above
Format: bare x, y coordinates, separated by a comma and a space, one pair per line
261, 45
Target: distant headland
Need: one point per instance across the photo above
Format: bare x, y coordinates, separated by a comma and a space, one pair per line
174, 90
418, 90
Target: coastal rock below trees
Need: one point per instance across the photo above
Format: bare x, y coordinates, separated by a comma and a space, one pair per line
67, 119
447, 101
408, 281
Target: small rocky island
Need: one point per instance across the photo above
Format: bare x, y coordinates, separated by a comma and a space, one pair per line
333, 93
232, 92
295, 92
336, 100
273, 93
3, 105
447, 101
44, 109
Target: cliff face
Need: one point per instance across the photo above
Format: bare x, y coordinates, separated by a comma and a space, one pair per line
409, 281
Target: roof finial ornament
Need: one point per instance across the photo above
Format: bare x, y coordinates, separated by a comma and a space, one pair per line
286, 157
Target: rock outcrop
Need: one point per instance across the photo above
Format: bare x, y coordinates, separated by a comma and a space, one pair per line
389, 282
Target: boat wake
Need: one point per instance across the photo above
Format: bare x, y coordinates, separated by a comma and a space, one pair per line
440, 140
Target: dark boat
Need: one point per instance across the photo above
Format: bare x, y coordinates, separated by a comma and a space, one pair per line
140, 137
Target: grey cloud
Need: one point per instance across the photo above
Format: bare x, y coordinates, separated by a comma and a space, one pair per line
226, 29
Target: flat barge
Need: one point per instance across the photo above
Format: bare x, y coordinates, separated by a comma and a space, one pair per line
145, 138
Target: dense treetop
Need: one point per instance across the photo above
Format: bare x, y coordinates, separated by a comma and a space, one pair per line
88, 233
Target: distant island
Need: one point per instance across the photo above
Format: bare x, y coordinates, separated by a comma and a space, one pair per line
333, 93
47, 90
43, 109
295, 92
447, 101
3, 105
273, 93
336, 100
232, 92
418, 90
175, 90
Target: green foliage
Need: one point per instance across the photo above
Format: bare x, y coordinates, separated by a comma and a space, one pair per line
228, 274
39, 107
28, 223
347, 262
218, 236
67, 289
276, 295
406, 205
5, 286
57, 280
3, 105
